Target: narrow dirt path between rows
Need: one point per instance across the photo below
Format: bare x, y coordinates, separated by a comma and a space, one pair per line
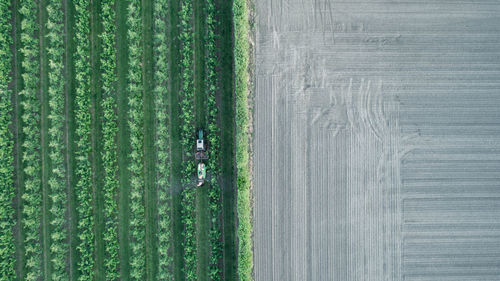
69, 135
201, 204
95, 30
44, 101
150, 193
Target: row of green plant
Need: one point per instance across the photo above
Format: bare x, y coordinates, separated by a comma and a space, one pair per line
59, 247
32, 199
83, 171
7, 191
162, 139
187, 139
213, 164
136, 119
242, 82
109, 134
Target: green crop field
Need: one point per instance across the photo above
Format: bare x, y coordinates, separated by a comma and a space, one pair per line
100, 104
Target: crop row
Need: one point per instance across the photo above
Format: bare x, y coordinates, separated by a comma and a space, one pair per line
83, 187
31, 142
165, 259
135, 89
109, 133
241, 62
7, 248
58, 246
187, 138
214, 140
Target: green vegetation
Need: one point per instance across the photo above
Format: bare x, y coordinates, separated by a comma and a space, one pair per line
136, 168
58, 245
83, 188
31, 144
241, 60
165, 259
187, 139
215, 204
109, 133
7, 188
112, 95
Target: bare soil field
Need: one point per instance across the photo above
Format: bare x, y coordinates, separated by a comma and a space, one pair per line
377, 140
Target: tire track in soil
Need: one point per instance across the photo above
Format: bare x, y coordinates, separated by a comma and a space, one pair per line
69, 136
16, 86
150, 192
95, 30
46, 167
201, 205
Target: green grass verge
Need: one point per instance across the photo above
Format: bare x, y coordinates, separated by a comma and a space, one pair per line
242, 90
226, 105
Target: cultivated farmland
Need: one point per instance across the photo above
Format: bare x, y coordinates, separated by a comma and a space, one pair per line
377, 140
100, 104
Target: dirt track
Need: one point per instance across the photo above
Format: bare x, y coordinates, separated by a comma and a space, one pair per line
377, 140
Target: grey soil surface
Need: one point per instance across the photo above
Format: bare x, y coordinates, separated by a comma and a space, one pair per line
377, 140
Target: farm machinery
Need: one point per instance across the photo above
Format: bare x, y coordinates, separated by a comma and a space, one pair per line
199, 156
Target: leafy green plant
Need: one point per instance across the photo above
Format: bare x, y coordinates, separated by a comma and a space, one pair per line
165, 259
83, 187
109, 133
241, 63
187, 138
135, 122
7, 247
215, 204
32, 200
58, 245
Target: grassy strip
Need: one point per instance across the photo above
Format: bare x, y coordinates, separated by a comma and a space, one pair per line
58, 246
162, 140
224, 41
241, 62
150, 191
187, 139
31, 143
123, 139
136, 121
214, 195
7, 188
109, 134
83, 186
69, 135
96, 140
